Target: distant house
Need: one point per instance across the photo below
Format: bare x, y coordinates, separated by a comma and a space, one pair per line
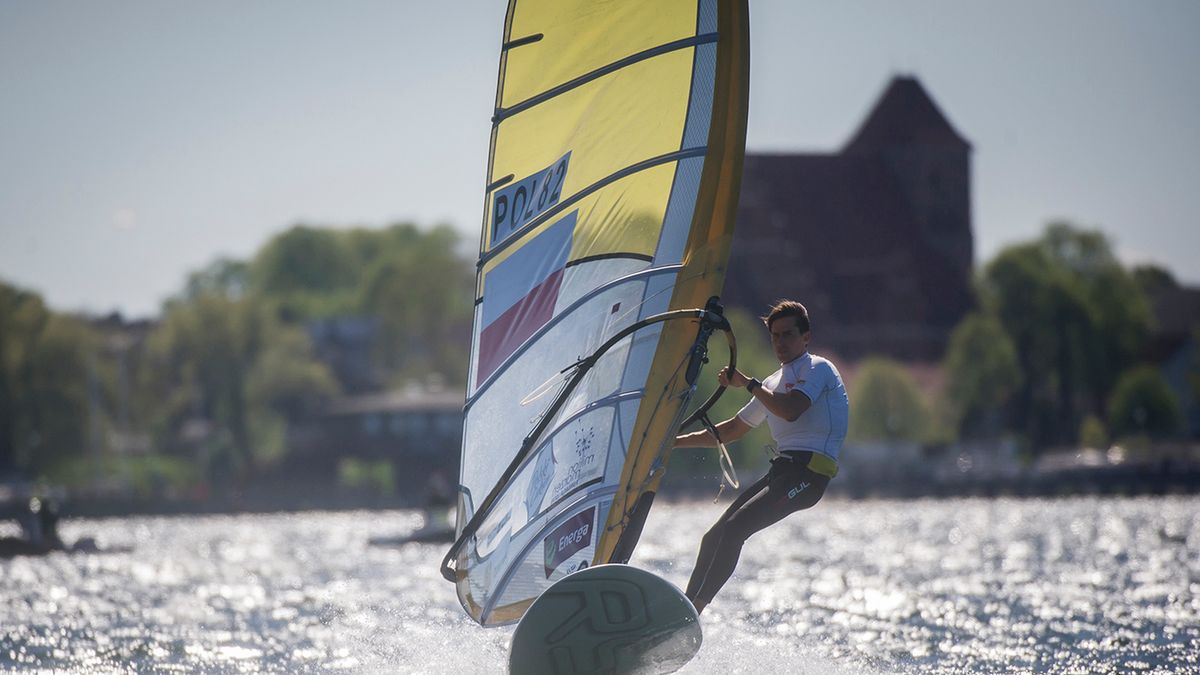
1175, 347
347, 344
875, 239
416, 430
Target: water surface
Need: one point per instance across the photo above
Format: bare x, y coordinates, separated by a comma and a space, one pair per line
957, 586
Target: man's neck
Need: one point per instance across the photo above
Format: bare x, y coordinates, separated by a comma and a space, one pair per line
802, 355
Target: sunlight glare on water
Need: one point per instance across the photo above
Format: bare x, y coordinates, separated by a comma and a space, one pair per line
957, 586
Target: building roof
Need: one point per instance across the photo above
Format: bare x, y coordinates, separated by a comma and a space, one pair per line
875, 240
904, 115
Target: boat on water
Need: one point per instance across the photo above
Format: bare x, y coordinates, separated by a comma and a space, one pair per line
38, 519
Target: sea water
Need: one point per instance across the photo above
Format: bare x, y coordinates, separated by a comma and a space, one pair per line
1086, 585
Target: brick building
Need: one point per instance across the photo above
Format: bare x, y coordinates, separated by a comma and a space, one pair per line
875, 239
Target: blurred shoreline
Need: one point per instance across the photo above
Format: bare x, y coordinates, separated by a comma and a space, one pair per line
911, 471
1166, 471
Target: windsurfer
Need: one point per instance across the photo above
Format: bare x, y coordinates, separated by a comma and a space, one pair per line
38, 519
804, 403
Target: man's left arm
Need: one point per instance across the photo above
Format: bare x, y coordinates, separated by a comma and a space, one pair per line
790, 405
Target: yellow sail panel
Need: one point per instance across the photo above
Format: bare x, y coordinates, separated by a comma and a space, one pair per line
612, 123
613, 169
625, 216
580, 37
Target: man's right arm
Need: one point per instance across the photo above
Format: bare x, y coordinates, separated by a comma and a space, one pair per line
730, 430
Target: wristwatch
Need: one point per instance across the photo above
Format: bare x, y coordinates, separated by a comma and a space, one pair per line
752, 384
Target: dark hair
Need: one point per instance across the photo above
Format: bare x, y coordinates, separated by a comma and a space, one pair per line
789, 308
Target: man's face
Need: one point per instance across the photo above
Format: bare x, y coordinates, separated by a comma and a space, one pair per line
787, 340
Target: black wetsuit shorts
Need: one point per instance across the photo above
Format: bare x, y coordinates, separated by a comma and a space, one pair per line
790, 485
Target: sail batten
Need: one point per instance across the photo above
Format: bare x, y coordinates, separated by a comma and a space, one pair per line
504, 113
606, 226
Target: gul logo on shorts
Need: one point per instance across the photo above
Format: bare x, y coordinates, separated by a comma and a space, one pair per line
798, 489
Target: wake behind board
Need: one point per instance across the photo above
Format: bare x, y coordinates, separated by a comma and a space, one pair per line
607, 619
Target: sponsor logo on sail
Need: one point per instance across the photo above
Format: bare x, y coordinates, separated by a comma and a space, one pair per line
567, 539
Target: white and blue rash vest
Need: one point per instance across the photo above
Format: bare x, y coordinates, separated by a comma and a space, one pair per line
822, 428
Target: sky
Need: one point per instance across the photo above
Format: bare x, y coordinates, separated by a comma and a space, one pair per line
140, 140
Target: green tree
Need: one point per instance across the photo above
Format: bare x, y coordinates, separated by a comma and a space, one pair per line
982, 374
70, 388
307, 272
1153, 279
1046, 317
1119, 308
233, 364
51, 384
413, 281
1075, 318
886, 404
225, 276
421, 291
1143, 404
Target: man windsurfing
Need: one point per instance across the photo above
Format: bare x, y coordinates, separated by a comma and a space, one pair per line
805, 405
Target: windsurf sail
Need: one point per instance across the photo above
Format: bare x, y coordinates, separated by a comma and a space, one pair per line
612, 183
